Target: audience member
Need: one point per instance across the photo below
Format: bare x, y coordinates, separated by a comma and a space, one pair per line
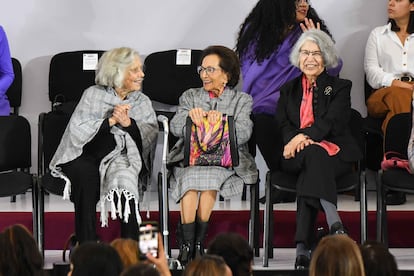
127, 250
197, 186
236, 252
104, 154
389, 62
337, 255
160, 262
207, 265
6, 73
264, 42
313, 113
92, 258
378, 261
19, 254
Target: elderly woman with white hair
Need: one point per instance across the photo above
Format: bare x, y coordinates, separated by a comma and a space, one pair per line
313, 112
104, 154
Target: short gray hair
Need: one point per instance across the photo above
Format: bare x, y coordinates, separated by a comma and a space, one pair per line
112, 66
325, 43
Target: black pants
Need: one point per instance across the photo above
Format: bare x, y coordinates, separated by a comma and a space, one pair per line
83, 173
317, 179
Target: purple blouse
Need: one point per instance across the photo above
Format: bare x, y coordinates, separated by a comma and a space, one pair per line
6, 73
263, 80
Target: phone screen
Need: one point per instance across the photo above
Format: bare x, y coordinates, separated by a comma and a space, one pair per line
148, 239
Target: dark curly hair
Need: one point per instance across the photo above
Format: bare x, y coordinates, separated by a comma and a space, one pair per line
268, 24
235, 250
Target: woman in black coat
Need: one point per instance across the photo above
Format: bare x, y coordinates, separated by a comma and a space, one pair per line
313, 112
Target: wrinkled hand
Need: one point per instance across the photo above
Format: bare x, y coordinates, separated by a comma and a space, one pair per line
161, 263
120, 115
197, 115
213, 116
309, 24
295, 145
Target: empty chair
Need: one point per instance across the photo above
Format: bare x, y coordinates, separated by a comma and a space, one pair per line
395, 180
15, 160
14, 93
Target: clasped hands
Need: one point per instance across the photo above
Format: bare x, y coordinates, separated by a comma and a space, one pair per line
197, 116
120, 115
296, 144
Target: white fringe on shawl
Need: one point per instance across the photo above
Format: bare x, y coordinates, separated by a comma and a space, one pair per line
119, 170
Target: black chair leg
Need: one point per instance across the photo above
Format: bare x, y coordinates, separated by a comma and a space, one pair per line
243, 197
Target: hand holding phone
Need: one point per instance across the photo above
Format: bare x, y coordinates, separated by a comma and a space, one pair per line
148, 239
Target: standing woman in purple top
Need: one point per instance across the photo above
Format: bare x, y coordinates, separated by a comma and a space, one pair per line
6, 73
264, 43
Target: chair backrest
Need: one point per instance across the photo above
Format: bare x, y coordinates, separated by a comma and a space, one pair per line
70, 75
15, 143
398, 133
14, 93
356, 125
165, 80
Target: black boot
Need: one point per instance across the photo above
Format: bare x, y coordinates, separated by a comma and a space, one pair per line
201, 232
187, 244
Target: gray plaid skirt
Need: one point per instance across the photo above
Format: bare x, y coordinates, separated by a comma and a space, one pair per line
204, 178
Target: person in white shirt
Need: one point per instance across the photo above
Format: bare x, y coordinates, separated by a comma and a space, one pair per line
389, 62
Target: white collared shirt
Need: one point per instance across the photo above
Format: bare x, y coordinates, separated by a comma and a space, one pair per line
386, 58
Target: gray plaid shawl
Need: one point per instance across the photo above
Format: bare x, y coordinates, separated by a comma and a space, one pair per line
119, 170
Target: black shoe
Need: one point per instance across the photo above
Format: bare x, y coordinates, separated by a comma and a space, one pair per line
70, 245
395, 198
338, 229
320, 233
302, 262
198, 250
185, 255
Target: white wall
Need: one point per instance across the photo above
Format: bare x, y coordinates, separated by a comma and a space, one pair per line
38, 29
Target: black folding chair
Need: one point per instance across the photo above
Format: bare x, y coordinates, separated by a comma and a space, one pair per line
14, 93
15, 160
396, 139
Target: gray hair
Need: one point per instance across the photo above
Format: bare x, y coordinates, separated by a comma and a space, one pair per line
112, 66
325, 43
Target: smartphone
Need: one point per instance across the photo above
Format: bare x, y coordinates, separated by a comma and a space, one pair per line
148, 239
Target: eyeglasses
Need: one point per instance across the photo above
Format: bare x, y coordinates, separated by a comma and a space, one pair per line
306, 53
209, 70
300, 3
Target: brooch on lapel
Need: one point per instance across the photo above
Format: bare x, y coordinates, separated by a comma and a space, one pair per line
327, 91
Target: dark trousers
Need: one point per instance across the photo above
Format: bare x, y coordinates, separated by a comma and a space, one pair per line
317, 179
83, 173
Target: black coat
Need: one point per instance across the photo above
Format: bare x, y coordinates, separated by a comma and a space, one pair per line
331, 110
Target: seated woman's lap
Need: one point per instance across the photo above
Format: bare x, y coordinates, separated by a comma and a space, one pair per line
83, 173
